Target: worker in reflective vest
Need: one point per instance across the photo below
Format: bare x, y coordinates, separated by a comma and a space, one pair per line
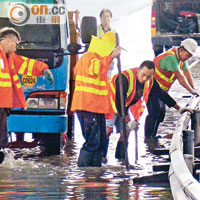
169, 66
11, 65
90, 99
104, 27
138, 85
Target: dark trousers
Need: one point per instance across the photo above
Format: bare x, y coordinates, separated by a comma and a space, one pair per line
94, 132
3, 128
156, 114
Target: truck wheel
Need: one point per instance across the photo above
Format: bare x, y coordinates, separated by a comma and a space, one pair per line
52, 142
88, 28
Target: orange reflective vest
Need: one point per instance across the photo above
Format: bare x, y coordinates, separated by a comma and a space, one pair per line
11, 93
165, 78
91, 87
138, 108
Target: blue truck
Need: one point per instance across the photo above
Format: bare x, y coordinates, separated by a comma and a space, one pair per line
48, 116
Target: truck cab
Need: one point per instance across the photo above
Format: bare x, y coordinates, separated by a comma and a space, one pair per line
173, 21
48, 115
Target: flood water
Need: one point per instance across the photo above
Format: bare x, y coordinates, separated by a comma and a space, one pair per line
26, 174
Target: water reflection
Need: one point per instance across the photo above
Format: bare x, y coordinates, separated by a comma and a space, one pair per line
27, 174
58, 177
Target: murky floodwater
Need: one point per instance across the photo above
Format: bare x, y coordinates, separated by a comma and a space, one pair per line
25, 174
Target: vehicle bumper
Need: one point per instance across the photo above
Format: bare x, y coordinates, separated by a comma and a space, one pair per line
37, 123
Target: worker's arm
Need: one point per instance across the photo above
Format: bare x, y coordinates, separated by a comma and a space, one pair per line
162, 95
167, 99
28, 66
180, 77
189, 78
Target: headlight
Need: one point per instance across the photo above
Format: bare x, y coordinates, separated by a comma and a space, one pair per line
47, 100
48, 103
32, 102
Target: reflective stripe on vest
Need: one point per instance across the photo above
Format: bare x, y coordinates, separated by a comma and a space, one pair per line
94, 66
132, 80
25, 65
100, 31
16, 80
7, 81
30, 67
90, 89
165, 79
112, 94
4, 75
5, 84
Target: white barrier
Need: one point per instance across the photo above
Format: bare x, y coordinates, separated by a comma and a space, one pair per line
183, 184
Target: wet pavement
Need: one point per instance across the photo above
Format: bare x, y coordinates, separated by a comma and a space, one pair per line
26, 174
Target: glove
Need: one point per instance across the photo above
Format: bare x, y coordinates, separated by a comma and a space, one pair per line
132, 125
184, 109
48, 75
195, 92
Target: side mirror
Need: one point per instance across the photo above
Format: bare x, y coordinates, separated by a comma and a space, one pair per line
88, 28
73, 48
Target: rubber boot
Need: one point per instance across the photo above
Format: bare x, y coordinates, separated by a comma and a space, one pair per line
84, 159
120, 152
96, 160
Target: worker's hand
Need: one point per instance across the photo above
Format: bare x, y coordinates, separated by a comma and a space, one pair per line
48, 75
184, 109
132, 125
195, 92
116, 52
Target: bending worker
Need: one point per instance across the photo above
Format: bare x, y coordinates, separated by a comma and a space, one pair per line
11, 65
169, 66
90, 99
138, 85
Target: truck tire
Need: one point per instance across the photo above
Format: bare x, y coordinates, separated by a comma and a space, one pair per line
88, 28
51, 142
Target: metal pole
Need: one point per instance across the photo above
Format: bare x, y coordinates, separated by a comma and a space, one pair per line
188, 148
136, 146
122, 106
196, 126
